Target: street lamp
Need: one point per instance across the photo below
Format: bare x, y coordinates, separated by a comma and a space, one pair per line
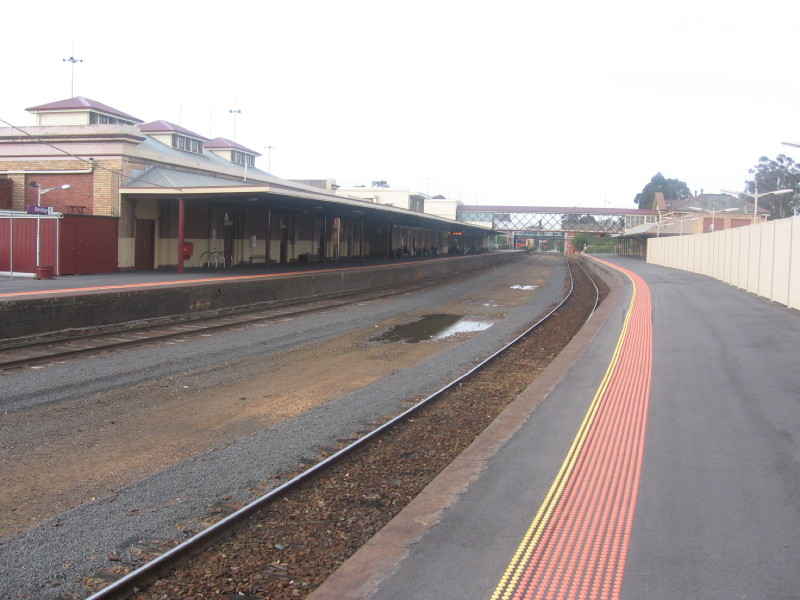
39, 193
680, 223
713, 213
755, 196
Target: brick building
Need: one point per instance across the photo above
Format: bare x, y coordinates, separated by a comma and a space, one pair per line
181, 198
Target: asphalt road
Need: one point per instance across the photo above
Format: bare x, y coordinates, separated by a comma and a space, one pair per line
718, 508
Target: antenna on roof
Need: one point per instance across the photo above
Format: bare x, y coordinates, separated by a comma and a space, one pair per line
72, 60
235, 111
269, 148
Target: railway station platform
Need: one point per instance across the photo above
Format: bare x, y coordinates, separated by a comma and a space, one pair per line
37, 307
658, 457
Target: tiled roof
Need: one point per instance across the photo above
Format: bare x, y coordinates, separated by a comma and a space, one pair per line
208, 159
222, 143
81, 103
167, 127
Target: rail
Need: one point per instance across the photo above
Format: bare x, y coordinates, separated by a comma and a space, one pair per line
133, 581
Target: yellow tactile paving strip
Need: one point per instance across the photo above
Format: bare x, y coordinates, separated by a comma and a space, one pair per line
577, 544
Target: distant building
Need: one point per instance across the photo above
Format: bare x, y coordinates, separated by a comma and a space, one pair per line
716, 212
398, 197
704, 213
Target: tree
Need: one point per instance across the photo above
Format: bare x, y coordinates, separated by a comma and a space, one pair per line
673, 189
580, 241
779, 174
381, 184
575, 222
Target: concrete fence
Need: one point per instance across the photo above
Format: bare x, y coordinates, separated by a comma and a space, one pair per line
763, 259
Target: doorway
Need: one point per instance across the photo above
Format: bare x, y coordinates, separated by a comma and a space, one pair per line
67, 254
144, 243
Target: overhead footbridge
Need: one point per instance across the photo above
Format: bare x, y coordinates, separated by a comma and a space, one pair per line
552, 228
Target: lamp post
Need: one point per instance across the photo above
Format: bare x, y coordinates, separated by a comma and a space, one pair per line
679, 219
755, 196
713, 213
39, 193
687, 220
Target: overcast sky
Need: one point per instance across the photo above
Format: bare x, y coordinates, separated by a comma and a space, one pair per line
526, 102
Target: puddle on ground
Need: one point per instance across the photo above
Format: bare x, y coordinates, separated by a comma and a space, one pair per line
432, 327
524, 287
465, 326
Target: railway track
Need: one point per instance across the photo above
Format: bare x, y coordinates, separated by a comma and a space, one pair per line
286, 542
72, 344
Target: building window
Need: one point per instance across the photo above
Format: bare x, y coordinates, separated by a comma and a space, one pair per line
181, 142
100, 119
242, 158
634, 220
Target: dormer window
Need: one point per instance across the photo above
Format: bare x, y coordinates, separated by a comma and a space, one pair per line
233, 152
181, 142
175, 136
80, 111
242, 158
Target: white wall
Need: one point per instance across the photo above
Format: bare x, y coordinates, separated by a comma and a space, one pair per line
388, 196
763, 259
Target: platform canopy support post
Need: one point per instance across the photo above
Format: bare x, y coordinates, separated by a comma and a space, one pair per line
267, 258
181, 217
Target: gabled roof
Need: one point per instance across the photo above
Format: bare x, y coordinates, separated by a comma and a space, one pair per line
81, 103
167, 127
222, 143
208, 159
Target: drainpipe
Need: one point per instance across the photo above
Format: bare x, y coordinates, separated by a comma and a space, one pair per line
48, 172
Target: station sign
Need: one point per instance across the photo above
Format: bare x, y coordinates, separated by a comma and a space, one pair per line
541, 235
39, 210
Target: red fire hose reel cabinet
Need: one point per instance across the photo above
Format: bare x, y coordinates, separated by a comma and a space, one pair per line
188, 250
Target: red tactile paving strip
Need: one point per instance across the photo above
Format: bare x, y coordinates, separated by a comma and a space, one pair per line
577, 544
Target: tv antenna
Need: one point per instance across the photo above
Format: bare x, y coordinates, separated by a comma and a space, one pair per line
72, 60
269, 148
234, 112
